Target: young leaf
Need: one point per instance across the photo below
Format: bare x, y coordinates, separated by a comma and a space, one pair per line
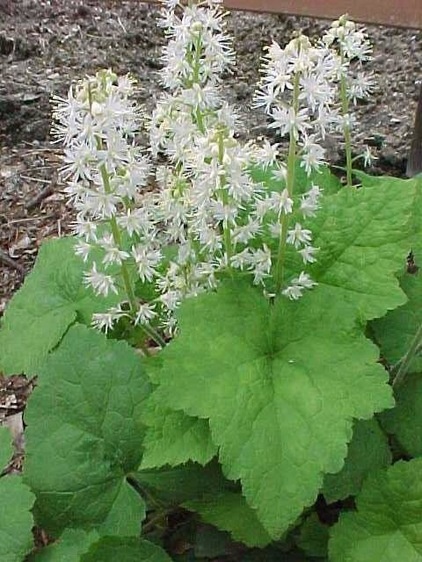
280, 386
313, 537
174, 438
405, 420
206, 491
364, 237
228, 511
16, 521
124, 549
174, 486
387, 525
395, 332
367, 451
51, 299
68, 548
84, 435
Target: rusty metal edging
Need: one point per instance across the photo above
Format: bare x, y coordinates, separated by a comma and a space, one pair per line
394, 13
397, 13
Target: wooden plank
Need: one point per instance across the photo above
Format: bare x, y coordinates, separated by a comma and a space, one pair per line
396, 13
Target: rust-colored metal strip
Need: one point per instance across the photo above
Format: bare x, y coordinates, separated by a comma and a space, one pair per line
395, 13
400, 13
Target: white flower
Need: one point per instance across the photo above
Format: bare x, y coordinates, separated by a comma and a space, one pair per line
307, 254
113, 254
305, 281
312, 155
281, 203
145, 313
309, 202
293, 292
260, 263
106, 320
298, 235
83, 249
368, 157
266, 155
146, 260
298, 284
101, 283
290, 121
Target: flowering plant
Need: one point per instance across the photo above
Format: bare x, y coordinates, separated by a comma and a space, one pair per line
256, 294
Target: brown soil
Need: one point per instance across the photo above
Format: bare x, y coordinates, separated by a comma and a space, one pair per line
46, 44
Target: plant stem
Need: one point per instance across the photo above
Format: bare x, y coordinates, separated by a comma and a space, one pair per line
144, 492
404, 363
151, 333
160, 517
154, 335
346, 126
228, 244
118, 241
290, 181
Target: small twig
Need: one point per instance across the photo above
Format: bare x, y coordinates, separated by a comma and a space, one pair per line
48, 190
29, 178
11, 263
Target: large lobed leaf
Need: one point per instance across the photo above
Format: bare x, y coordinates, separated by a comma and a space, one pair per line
125, 549
76, 545
84, 435
174, 438
206, 491
367, 451
16, 501
395, 331
364, 236
387, 525
229, 511
51, 299
405, 420
69, 548
280, 386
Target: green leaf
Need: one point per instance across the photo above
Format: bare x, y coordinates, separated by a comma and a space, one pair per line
68, 548
387, 525
205, 490
368, 451
16, 521
125, 549
228, 511
405, 420
364, 237
174, 438
6, 447
416, 215
51, 299
396, 331
280, 386
313, 537
174, 486
84, 435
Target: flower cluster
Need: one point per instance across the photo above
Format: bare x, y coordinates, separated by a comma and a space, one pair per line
298, 92
353, 48
208, 216
106, 171
208, 204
